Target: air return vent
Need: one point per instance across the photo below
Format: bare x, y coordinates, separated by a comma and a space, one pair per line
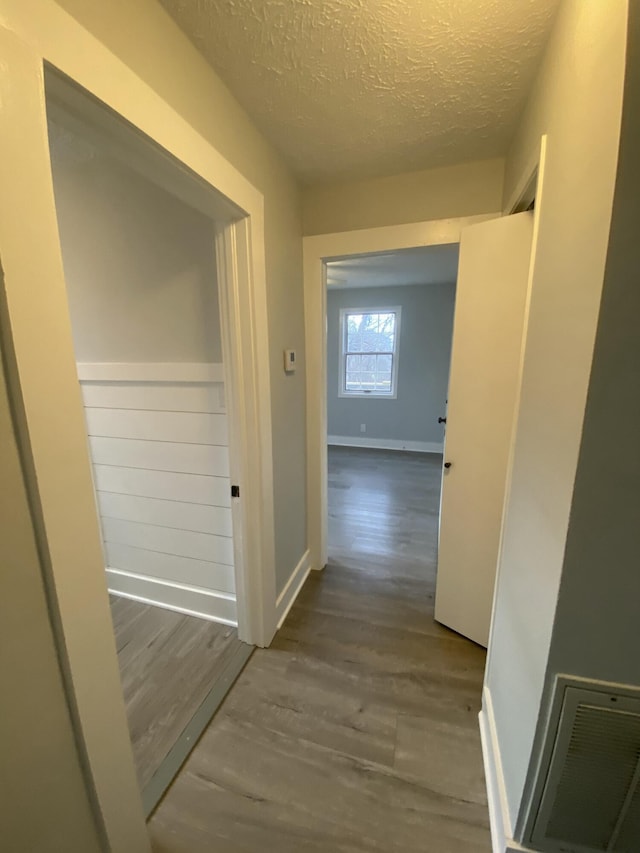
590, 800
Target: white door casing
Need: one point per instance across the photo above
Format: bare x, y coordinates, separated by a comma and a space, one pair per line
493, 277
317, 250
43, 384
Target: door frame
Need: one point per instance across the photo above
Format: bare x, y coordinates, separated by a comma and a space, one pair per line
77, 111
317, 250
43, 384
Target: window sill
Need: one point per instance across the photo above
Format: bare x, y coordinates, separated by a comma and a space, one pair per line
360, 395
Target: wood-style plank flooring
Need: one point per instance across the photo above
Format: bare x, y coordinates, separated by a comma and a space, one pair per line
168, 663
357, 730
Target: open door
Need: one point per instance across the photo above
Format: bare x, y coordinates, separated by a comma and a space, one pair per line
487, 336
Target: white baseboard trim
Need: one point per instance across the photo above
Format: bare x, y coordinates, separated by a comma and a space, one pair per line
501, 832
292, 588
385, 443
194, 601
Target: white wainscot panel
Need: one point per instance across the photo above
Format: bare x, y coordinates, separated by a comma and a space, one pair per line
183, 427
139, 372
180, 543
161, 455
158, 437
168, 567
189, 488
161, 397
183, 516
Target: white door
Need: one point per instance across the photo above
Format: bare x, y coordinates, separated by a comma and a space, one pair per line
487, 336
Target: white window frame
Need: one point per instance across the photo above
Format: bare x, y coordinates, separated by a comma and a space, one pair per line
362, 395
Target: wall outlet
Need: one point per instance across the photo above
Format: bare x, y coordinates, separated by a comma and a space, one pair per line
363, 427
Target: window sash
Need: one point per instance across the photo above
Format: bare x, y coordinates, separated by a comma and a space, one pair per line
362, 374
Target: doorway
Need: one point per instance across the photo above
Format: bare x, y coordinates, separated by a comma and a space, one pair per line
140, 272
499, 285
318, 250
389, 329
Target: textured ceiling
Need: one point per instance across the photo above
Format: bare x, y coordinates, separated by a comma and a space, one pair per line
363, 88
424, 265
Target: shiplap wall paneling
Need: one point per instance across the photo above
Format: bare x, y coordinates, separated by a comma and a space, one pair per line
160, 455
165, 397
170, 485
168, 540
150, 425
199, 518
159, 443
198, 573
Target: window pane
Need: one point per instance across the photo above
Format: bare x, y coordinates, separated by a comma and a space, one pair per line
353, 363
355, 343
386, 332
368, 381
354, 334
368, 362
383, 363
383, 383
352, 382
371, 332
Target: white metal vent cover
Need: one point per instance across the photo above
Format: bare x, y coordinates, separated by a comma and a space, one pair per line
591, 795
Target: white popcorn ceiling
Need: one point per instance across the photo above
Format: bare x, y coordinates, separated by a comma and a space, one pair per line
363, 88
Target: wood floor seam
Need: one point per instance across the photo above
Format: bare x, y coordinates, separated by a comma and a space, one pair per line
356, 731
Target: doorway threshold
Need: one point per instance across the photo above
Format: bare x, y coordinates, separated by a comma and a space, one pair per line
178, 754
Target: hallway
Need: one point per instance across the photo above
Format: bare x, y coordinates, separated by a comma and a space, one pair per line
357, 730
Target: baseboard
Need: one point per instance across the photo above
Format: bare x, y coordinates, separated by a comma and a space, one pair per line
501, 833
292, 588
385, 443
194, 601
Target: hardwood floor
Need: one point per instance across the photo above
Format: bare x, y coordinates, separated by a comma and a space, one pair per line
168, 664
357, 730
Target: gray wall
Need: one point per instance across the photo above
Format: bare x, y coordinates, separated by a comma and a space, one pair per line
597, 628
44, 800
139, 264
423, 366
576, 101
596, 633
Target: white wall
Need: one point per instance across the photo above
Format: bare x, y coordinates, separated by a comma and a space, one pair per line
424, 351
577, 102
139, 263
463, 190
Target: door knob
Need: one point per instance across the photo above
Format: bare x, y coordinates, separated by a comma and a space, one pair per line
442, 420
447, 464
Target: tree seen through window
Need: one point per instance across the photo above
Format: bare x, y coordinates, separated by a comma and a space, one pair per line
369, 351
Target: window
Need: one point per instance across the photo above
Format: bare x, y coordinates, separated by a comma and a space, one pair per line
369, 352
